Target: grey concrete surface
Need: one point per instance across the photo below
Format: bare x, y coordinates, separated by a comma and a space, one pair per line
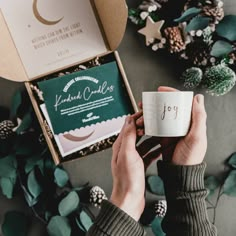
146, 70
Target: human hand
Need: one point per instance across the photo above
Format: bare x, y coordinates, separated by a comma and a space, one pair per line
128, 170
189, 150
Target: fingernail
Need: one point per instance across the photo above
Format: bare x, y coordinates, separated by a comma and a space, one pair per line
200, 99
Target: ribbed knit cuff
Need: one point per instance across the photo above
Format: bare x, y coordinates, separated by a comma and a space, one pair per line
114, 222
182, 178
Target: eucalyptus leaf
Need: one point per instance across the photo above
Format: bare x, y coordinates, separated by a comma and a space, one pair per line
16, 102
188, 14
8, 166
212, 183
198, 23
156, 227
7, 185
85, 220
61, 177
32, 162
229, 187
15, 223
232, 160
34, 187
226, 28
221, 48
48, 215
155, 185
49, 164
31, 201
68, 204
79, 224
25, 124
59, 226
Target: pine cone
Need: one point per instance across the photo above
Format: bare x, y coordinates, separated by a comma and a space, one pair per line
216, 13
198, 53
175, 39
192, 77
6, 129
161, 208
219, 80
97, 195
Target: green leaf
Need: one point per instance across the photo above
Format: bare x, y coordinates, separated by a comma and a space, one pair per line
79, 224
221, 48
32, 162
226, 28
85, 220
33, 185
212, 183
155, 185
15, 223
16, 102
59, 226
188, 14
61, 177
7, 185
48, 215
229, 187
232, 160
156, 227
31, 201
26, 123
198, 23
8, 166
69, 204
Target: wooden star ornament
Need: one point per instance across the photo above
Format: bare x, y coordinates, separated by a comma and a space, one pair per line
152, 30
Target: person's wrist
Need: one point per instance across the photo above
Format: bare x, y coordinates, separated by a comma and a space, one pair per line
130, 204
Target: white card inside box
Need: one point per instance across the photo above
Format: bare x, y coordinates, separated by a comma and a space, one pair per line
84, 137
52, 34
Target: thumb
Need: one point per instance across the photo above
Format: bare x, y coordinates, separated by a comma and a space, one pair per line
129, 135
199, 116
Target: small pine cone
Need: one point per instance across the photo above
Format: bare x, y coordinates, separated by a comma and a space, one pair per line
6, 129
192, 77
219, 80
216, 13
175, 39
161, 208
97, 195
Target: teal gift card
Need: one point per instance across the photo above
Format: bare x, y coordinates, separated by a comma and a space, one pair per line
85, 98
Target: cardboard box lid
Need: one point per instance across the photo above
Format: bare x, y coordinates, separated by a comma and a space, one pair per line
113, 18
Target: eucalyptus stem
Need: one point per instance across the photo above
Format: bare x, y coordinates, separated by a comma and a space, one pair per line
220, 193
33, 209
38, 216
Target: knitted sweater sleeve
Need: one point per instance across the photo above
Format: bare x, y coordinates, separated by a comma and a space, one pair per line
186, 213
112, 221
185, 195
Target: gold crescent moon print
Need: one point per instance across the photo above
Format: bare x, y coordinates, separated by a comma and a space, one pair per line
40, 18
